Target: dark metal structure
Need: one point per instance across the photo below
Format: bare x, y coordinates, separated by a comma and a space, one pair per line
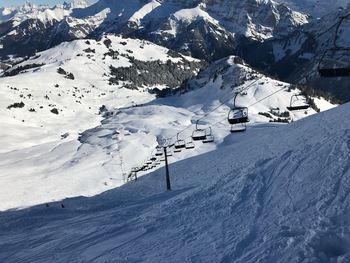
237, 115
209, 137
198, 134
295, 106
335, 62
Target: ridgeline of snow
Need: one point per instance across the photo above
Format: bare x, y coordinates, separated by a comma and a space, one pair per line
41, 157
272, 194
145, 10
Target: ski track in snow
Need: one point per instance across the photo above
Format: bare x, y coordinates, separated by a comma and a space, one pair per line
254, 200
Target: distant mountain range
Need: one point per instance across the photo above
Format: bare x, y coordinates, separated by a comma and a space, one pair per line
278, 37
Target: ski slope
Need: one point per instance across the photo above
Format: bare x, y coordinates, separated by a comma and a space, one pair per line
47, 157
273, 194
38, 157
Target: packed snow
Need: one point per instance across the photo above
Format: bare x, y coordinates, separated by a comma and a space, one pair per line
112, 144
273, 194
82, 166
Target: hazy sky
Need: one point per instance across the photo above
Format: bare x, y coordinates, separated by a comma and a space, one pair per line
18, 2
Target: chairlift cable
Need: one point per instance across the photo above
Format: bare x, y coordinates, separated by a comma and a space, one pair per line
220, 105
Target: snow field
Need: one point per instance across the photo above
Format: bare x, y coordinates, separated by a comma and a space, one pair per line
274, 193
42, 156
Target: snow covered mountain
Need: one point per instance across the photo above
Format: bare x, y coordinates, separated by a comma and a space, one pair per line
117, 79
43, 13
315, 8
61, 137
273, 194
197, 28
48, 100
28, 28
270, 36
89, 92
295, 58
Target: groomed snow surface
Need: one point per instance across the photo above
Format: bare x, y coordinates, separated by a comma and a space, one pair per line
272, 194
248, 197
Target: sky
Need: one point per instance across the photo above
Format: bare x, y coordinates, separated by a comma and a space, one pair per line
19, 2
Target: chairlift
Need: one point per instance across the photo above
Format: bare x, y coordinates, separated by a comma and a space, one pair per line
209, 137
190, 144
198, 134
238, 114
335, 62
239, 127
295, 107
169, 152
179, 144
159, 151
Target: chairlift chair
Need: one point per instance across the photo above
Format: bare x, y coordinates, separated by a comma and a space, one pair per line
169, 152
239, 127
209, 137
190, 144
178, 150
335, 62
159, 151
198, 134
238, 115
293, 107
179, 144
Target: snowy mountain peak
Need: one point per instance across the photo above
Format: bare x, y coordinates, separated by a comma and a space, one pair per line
79, 4
27, 6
